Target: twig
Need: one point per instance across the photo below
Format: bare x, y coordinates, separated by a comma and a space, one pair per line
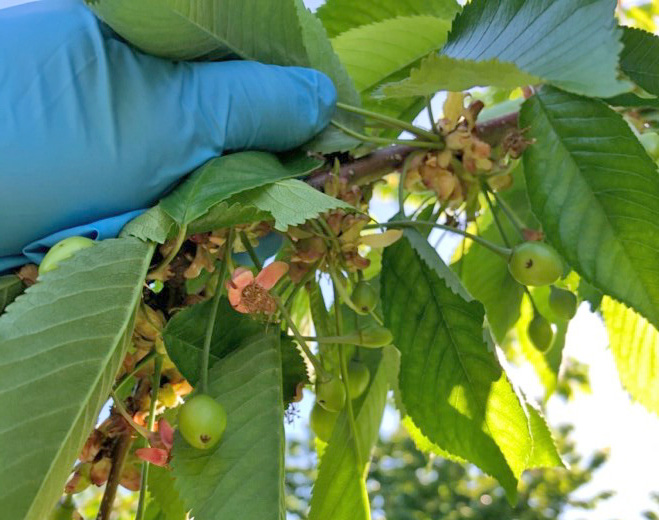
119, 454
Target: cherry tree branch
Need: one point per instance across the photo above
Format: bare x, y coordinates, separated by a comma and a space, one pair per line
383, 161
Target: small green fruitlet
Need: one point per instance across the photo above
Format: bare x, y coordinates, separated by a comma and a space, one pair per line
64, 510
63, 250
364, 297
535, 263
372, 336
322, 422
540, 333
563, 303
202, 421
331, 394
358, 378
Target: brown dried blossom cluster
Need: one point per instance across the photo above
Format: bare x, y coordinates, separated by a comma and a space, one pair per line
455, 173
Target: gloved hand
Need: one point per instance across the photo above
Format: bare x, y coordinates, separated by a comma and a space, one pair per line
92, 131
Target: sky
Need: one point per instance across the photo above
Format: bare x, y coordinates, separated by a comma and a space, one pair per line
606, 418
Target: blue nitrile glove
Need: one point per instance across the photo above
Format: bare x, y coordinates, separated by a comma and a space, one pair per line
92, 131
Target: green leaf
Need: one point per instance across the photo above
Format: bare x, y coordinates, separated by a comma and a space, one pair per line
258, 30
595, 190
573, 45
184, 339
161, 488
424, 444
451, 383
154, 225
634, 343
227, 214
184, 335
290, 202
244, 476
61, 345
372, 53
341, 15
588, 293
294, 369
321, 56
340, 489
439, 72
545, 454
10, 287
225, 176
639, 58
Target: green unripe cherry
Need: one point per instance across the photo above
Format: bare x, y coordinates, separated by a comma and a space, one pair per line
650, 141
563, 303
364, 297
371, 336
202, 421
535, 263
63, 250
358, 378
64, 510
540, 333
331, 394
322, 422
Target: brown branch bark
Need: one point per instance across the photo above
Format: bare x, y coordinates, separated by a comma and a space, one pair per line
119, 454
386, 160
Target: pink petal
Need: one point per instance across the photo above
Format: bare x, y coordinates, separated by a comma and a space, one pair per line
241, 278
166, 433
270, 275
235, 295
153, 455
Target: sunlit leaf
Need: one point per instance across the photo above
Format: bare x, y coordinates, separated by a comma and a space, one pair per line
451, 383
634, 343
341, 15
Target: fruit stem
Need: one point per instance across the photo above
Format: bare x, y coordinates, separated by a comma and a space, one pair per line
385, 141
126, 377
341, 289
392, 121
344, 375
512, 216
250, 251
503, 252
496, 217
433, 122
321, 373
210, 325
160, 270
401, 182
155, 386
119, 405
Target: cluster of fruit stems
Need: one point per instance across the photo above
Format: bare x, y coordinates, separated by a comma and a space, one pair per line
425, 141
